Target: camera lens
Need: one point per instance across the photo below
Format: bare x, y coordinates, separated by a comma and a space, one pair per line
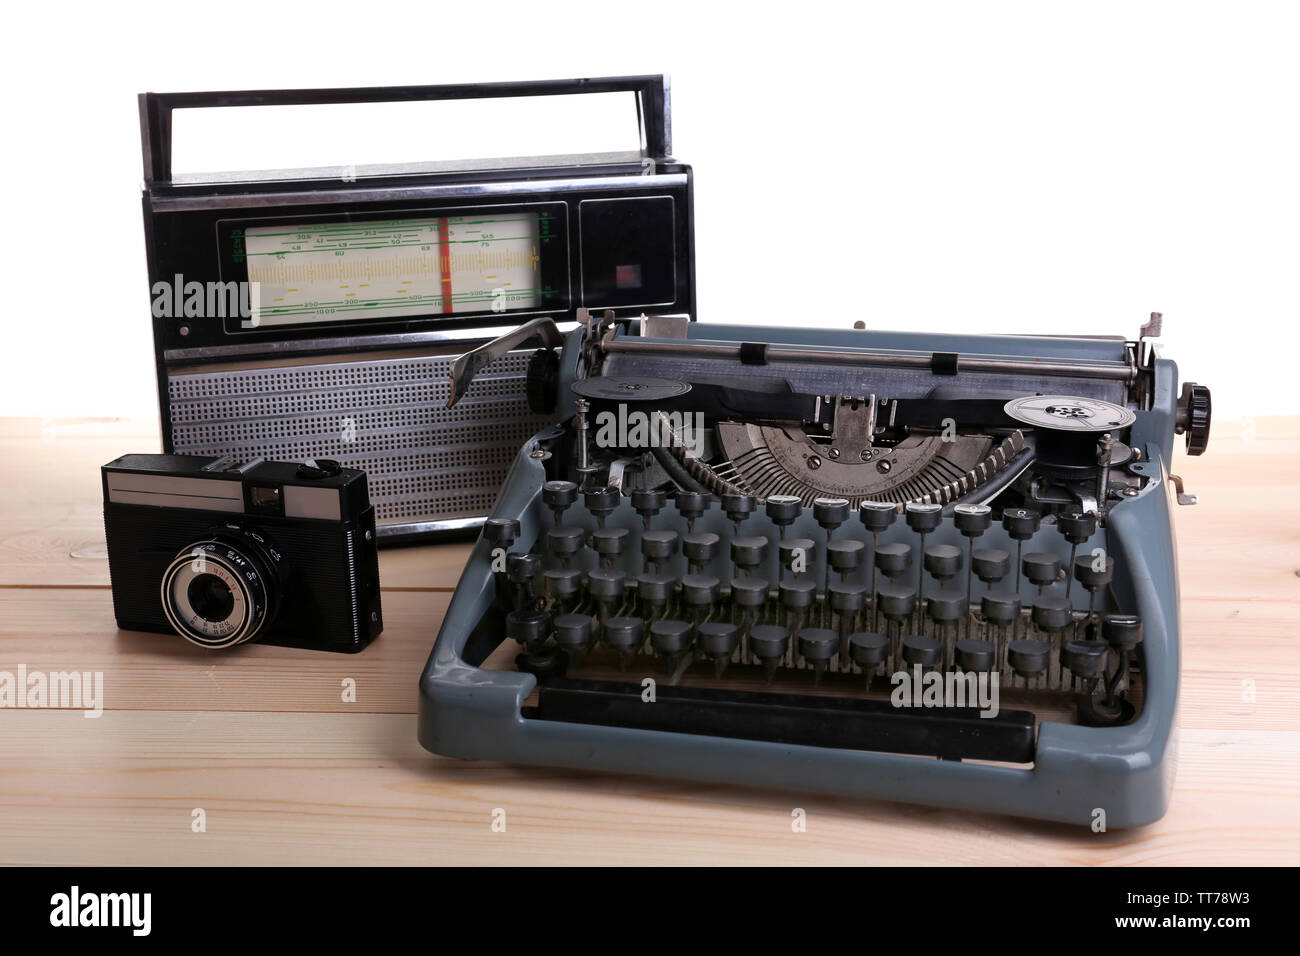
219, 592
211, 598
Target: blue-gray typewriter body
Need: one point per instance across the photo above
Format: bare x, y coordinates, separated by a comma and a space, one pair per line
810, 521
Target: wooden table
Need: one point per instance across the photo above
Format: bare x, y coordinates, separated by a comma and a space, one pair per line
285, 771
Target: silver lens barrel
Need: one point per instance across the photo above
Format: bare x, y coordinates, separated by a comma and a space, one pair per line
216, 594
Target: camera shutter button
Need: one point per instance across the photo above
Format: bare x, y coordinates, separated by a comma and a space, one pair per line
319, 468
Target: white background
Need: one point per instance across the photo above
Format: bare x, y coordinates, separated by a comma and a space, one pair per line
993, 167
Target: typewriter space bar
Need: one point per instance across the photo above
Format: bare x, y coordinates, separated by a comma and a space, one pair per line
847, 724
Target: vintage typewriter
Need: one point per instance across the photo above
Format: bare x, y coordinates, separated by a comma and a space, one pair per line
733, 546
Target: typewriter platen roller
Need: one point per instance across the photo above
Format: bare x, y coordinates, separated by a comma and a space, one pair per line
735, 548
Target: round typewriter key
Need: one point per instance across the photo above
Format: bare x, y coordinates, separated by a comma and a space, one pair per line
972, 520
1092, 572
797, 554
783, 509
564, 542
749, 592
692, 504
797, 595
605, 585
562, 583
623, 633
845, 555
1028, 658
847, 598
748, 552
601, 502
1000, 607
1086, 659
573, 631
991, 564
975, 655
670, 637
559, 495
738, 507
609, 542
945, 606
868, 650
943, 560
700, 547
1051, 613
1020, 523
528, 627
1076, 526
658, 545
700, 590
818, 644
896, 601
1040, 568
1122, 630
648, 503
654, 588
830, 513
923, 518
876, 516
501, 531
918, 649
717, 639
522, 568
893, 559
769, 641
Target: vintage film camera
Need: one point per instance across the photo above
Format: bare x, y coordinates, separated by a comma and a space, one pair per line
223, 553
368, 282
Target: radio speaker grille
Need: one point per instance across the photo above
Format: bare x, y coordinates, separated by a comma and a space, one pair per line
424, 462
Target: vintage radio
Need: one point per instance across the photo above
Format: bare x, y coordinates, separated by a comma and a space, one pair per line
316, 313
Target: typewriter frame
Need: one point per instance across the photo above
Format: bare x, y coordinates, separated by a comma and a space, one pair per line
1126, 771
187, 219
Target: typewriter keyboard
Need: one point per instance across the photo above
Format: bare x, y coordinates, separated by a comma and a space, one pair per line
692, 584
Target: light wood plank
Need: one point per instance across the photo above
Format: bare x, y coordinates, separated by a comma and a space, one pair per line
332, 789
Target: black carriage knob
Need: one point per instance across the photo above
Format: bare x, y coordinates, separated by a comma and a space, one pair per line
1193, 417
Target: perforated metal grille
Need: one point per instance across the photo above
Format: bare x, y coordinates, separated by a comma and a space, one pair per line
386, 417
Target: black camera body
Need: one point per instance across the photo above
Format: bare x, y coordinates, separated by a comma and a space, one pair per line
223, 553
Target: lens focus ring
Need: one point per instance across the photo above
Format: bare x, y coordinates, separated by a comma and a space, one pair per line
216, 594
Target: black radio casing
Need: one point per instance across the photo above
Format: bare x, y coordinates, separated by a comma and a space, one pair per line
371, 392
